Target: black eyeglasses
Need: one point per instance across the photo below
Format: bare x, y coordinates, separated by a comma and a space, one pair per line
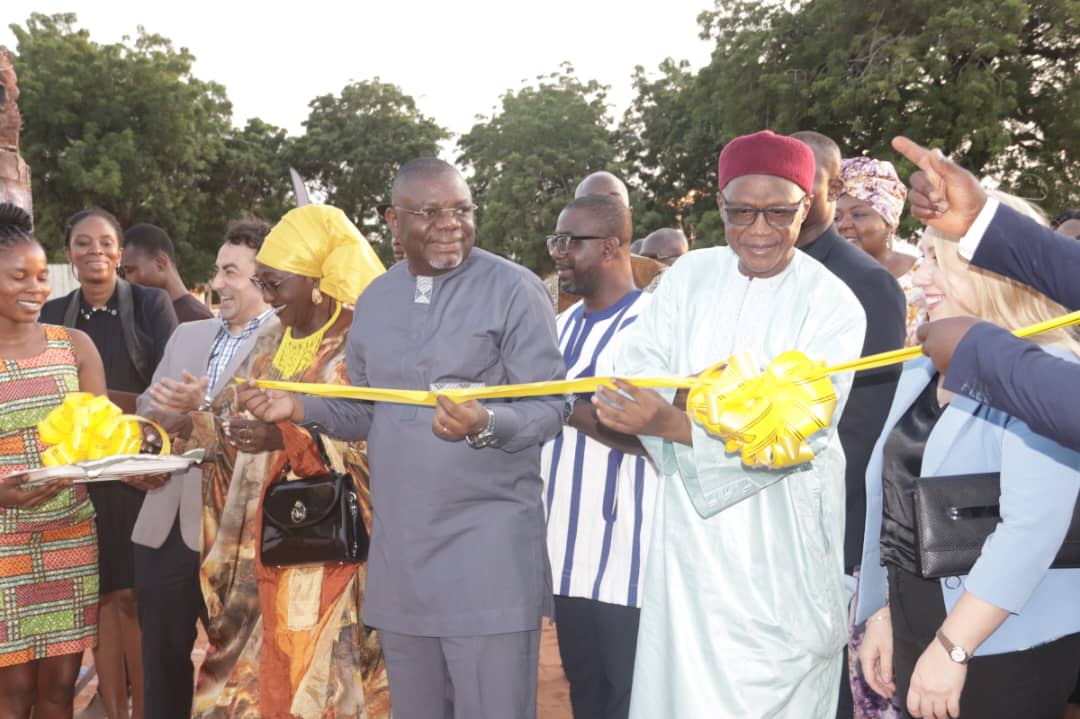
560, 241
271, 287
430, 214
779, 217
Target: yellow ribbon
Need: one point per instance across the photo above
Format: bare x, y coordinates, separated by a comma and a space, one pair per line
87, 426
766, 415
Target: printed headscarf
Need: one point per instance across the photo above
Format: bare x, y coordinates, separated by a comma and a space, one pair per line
876, 183
320, 241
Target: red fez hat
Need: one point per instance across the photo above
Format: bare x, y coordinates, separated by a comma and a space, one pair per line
766, 153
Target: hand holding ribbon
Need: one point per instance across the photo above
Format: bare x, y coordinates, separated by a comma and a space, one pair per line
767, 416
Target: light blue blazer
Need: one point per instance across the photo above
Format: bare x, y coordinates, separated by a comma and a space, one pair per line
1039, 484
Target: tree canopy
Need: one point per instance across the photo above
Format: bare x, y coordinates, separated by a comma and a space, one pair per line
127, 126
528, 157
122, 126
353, 144
993, 82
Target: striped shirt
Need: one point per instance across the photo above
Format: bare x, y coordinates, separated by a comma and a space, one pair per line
225, 346
599, 501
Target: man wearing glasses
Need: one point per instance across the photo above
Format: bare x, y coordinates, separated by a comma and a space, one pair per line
743, 607
458, 577
599, 490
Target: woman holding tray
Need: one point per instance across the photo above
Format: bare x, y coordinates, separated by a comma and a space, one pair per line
286, 641
129, 325
1018, 617
48, 543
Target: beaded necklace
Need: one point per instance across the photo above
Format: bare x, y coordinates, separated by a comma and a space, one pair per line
294, 356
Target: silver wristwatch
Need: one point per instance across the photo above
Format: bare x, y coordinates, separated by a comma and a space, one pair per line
486, 436
957, 653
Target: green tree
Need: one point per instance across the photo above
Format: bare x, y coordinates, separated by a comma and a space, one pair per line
527, 159
124, 126
671, 148
993, 82
249, 176
353, 144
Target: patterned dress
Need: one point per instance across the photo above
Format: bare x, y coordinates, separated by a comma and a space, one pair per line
285, 642
48, 554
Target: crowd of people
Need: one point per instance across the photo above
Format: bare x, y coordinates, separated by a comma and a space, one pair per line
683, 582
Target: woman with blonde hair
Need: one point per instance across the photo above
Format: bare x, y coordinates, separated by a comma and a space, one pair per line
287, 641
1013, 616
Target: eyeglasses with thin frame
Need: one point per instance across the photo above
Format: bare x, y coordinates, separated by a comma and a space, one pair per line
560, 241
778, 217
271, 287
430, 214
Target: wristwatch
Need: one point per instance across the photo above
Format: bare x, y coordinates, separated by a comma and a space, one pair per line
486, 436
957, 653
569, 401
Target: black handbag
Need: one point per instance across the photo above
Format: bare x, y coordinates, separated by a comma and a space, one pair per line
953, 517
313, 520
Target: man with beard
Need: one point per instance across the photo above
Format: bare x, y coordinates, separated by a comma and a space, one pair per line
597, 553
458, 577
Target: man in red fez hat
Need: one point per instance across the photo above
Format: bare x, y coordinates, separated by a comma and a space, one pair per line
743, 606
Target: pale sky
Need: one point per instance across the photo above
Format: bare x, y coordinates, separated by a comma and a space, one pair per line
455, 59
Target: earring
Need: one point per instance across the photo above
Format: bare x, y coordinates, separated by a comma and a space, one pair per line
316, 296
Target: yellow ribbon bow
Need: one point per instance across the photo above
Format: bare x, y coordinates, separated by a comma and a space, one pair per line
767, 415
87, 426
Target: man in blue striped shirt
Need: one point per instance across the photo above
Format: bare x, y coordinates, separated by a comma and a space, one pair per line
599, 487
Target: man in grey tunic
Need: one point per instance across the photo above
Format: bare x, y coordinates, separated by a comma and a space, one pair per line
458, 575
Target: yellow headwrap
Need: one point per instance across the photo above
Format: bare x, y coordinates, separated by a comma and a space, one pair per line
320, 241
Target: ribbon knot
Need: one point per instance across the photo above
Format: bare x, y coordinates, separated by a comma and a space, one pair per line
86, 426
766, 416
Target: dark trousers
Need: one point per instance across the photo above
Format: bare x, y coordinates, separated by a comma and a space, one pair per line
597, 642
170, 602
1033, 684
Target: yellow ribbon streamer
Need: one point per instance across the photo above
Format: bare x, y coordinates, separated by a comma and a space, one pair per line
766, 415
87, 426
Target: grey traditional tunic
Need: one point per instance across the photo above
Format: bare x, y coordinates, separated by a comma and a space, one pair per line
458, 540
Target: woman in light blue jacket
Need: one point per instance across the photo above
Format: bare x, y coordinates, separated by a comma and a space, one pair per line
1018, 618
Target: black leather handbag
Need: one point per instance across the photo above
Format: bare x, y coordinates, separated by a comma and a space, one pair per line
313, 520
953, 517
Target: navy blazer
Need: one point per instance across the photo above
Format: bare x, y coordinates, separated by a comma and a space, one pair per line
871, 391
1014, 375
1039, 484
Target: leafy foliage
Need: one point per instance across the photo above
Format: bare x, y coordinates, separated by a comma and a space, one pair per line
355, 142
527, 159
122, 126
993, 82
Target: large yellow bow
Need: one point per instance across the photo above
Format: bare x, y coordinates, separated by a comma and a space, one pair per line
766, 416
87, 426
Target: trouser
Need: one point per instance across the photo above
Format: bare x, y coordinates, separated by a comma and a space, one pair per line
1033, 684
475, 677
597, 642
170, 602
